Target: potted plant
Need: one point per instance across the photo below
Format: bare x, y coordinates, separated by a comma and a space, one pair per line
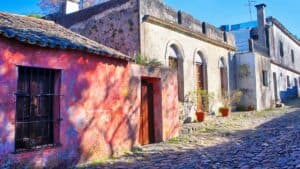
228, 100
200, 99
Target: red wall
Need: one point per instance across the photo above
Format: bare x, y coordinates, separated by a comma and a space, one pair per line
100, 105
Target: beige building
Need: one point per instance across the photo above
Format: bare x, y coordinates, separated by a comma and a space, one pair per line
199, 51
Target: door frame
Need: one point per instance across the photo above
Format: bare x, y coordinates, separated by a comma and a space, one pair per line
157, 111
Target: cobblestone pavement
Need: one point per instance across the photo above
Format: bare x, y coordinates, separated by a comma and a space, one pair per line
268, 139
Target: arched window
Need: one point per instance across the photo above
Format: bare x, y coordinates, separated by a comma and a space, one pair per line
173, 56
201, 71
223, 76
175, 61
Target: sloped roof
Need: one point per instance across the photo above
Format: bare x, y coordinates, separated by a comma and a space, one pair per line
46, 33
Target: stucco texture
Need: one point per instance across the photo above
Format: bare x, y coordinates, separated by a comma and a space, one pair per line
100, 106
155, 41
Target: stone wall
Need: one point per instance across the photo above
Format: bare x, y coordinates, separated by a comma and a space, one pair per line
158, 9
114, 23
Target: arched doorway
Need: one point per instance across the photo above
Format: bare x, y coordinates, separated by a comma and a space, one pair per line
201, 79
175, 61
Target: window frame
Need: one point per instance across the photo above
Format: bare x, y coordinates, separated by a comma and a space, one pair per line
42, 96
288, 82
265, 78
293, 56
281, 49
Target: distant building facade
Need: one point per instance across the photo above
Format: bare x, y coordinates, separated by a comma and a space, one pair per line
198, 51
267, 61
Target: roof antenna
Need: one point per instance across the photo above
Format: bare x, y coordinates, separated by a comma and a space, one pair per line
250, 4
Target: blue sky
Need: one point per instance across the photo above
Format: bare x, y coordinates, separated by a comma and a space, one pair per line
217, 12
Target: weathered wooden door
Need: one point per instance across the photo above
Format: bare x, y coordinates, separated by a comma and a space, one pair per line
146, 134
200, 85
201, 78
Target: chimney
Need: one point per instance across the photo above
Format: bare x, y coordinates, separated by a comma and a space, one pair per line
261, 19
72, 6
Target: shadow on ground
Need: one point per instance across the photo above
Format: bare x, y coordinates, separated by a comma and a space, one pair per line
274, 144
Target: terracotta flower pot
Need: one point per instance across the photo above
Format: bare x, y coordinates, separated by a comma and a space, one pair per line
200, 116
224, 111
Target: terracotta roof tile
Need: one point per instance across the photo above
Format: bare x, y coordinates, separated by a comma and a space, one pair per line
49, 34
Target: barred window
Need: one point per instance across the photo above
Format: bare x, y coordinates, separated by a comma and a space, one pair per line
37, 111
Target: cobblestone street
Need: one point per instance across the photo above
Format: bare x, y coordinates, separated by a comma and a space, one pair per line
268, 139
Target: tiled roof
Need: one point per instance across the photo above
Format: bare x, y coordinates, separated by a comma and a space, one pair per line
49, 34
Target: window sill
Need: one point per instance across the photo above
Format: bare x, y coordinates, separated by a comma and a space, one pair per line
38, 148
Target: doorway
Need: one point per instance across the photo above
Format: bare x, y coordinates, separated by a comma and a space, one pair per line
150, 116
201, 79
275, 86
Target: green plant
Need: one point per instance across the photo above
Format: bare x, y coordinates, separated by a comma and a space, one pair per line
230, 99
201, 98
141, 60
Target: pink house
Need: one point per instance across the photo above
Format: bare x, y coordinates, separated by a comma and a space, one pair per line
66, 99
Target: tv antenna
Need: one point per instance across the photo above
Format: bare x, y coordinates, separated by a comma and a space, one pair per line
250, 4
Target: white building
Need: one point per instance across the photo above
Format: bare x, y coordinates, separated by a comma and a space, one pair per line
267, 62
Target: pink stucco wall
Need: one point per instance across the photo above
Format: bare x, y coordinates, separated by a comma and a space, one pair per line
100, 106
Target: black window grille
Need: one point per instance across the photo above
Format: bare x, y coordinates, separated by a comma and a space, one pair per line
36, 108
288, 81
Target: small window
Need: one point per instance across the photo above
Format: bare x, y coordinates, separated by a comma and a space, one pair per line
281, 51
267, 38
288, 81
265, 78
293, 56
179, 16
203, 27
37, 107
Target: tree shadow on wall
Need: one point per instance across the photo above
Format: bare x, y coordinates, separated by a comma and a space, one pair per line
99, 112
273, 144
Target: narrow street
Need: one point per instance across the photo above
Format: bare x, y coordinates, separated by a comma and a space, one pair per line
268, 139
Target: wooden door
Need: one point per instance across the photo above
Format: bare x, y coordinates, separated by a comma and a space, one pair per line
200, 85
146, 134
224, 82
275, 86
